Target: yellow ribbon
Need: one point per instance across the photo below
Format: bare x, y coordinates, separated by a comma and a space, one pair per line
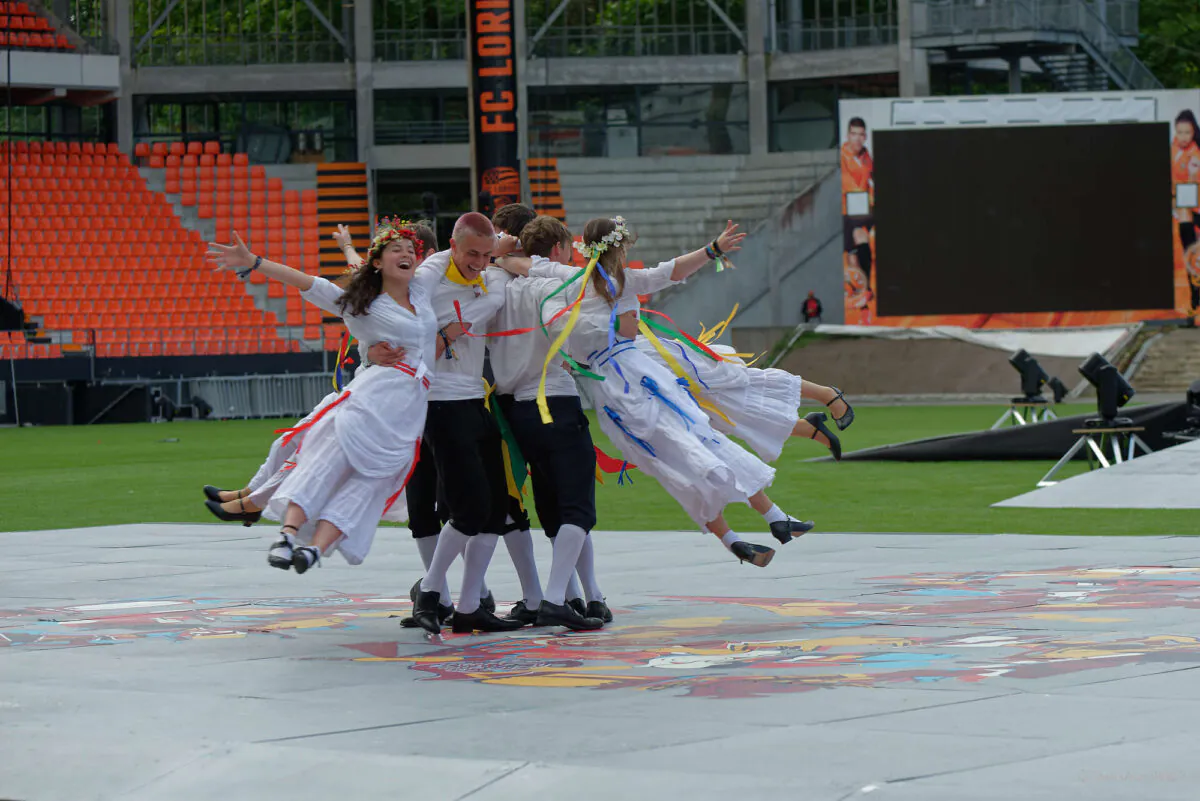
708, 335
509, 477
679, 372
456, 277
572, 318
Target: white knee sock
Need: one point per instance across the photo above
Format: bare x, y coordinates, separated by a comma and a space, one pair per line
774, 514
730, 538
520, 550
450, 543
427, 546
587, 571
567, 546
573, 589
476, 558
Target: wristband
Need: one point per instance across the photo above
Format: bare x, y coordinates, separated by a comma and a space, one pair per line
717, 248
449, 351
708, 251
257, 263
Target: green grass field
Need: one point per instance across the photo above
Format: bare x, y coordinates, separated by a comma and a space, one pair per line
101, 475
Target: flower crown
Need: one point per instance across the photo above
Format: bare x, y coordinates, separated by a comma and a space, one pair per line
611, 239
388, 229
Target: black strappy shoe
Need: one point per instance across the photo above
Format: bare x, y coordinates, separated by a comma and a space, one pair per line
304, 557
213, 493
243, 517
282, 550
757, 555
817, 421
846, 419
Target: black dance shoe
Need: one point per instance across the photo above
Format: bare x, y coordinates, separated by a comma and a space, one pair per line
817, 421
787, 530
425, 611
488, 602
243, 517
578, 605
305, 557
481, 620
599, 609
522, 614
213, 493
565, 615
757, 555
281, 553
846, 419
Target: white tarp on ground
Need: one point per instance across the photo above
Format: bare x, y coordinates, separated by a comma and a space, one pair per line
1167, 479
1066, 342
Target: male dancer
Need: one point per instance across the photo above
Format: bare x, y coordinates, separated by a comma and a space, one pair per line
560, 455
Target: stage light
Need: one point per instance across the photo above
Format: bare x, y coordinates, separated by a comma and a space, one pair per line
1032, 374
1112, 390
1058, 388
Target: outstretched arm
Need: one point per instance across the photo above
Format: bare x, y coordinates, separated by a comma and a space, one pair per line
237, 257
728, 242
345, 242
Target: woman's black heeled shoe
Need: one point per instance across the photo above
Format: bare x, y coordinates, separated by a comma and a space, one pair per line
213, 493
817, 421
846, 419
243, 517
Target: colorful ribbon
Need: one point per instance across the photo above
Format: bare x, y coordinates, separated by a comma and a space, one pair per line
292, 432
342, 353
677, 369
560, 340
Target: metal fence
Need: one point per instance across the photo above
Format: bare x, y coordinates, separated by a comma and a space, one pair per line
260, 395
422, 133
798, 37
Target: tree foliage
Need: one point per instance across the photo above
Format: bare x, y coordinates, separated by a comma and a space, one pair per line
1170, 41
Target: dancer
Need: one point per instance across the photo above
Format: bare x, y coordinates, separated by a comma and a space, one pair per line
654, 420
462, 434
561, 456
359, 450
234, 505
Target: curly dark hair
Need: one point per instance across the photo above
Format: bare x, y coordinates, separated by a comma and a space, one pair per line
366, 283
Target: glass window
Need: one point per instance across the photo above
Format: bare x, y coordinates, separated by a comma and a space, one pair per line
804, 114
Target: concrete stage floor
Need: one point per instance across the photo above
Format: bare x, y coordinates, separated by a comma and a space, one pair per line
164, 661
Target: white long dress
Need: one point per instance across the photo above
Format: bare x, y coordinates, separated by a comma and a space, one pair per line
761, 404
358, 451
651, 418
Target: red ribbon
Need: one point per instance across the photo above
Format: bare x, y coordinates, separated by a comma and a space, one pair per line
412, 469
707, 350
608, 463
292, 432
513, 332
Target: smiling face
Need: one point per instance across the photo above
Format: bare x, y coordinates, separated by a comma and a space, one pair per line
471, 253
398, 260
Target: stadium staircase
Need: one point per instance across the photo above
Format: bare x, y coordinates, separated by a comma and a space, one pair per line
675, 204
1171, 364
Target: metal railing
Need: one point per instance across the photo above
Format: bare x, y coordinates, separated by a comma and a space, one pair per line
422, 133
645, 139
967, 17
640, 40
261, 395
797, 37
420, 45
281, 48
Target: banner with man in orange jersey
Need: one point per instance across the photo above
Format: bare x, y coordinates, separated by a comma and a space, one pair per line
492, 60
1175, 109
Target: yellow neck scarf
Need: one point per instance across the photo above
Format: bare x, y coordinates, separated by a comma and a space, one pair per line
456, 277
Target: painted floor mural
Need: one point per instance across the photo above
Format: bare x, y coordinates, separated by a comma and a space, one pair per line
915, 628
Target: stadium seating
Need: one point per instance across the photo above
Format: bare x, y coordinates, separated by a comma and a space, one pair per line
23, 28
103, 259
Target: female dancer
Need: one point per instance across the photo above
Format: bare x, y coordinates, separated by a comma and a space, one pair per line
234, 505
651, 418
359, 450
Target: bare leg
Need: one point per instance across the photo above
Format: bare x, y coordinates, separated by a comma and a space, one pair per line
824, 394
325, 536
805, 429
239, 505
719, 527
233, 495
760, 503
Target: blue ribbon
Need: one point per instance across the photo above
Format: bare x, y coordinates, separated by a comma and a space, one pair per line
691, 364
650, 384
612, 315
616, 418
624, 475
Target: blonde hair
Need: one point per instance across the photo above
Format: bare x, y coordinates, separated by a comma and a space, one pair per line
612, 259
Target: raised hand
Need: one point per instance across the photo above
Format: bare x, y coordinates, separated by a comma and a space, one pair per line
342, 237
230, 257
730, 240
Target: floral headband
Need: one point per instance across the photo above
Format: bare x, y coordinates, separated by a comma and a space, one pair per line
389, 229
611, 239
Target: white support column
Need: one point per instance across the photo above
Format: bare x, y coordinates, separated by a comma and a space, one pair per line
364, 93
914, 62
756, 76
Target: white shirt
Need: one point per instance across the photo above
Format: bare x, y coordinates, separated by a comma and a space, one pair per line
517, 361
385, 321
461, 377
590, 335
